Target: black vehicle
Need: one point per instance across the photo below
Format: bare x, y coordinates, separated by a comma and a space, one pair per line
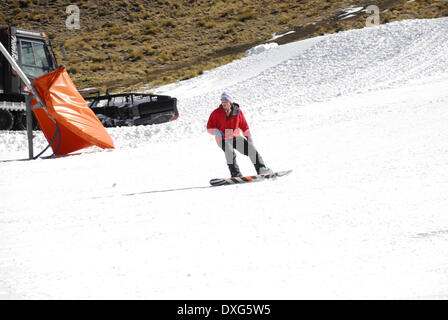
33, 53
132, 109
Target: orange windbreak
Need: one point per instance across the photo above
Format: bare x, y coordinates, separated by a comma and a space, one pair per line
79, 126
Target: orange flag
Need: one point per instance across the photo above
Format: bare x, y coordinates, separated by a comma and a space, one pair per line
79, 126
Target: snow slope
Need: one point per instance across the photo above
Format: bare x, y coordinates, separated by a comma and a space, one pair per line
361, 116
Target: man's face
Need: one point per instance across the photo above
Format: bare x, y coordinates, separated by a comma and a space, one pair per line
226, 105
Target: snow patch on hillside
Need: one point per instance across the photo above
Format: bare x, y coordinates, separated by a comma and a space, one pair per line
260, 48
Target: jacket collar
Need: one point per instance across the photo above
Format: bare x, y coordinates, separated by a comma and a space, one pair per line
234, 111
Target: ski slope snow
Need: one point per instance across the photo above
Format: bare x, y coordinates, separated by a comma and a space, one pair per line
360, 116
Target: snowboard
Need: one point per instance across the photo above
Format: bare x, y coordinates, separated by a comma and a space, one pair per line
238, 180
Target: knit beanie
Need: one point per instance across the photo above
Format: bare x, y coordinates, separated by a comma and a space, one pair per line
226, 96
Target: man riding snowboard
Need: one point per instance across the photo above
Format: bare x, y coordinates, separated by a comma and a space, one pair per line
225, 123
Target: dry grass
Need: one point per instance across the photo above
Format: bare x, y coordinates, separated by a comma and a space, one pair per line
126, 42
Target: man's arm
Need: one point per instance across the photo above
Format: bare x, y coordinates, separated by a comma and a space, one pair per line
244, 126
212, 127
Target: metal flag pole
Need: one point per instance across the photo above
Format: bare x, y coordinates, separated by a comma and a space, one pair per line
29, 126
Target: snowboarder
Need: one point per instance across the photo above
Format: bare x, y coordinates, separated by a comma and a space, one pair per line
225, 123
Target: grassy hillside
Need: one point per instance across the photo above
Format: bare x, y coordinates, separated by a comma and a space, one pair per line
129, 43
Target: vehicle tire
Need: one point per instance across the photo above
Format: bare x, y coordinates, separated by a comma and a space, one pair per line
20, 121
6, 120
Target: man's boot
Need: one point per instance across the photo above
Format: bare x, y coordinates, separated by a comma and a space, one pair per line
262, 169
234, 170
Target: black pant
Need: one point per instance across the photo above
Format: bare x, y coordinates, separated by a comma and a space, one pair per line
244, 147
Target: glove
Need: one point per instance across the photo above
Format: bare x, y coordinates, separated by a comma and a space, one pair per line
250, 140
218, 134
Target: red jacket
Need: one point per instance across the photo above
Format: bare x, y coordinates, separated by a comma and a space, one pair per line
230, 125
